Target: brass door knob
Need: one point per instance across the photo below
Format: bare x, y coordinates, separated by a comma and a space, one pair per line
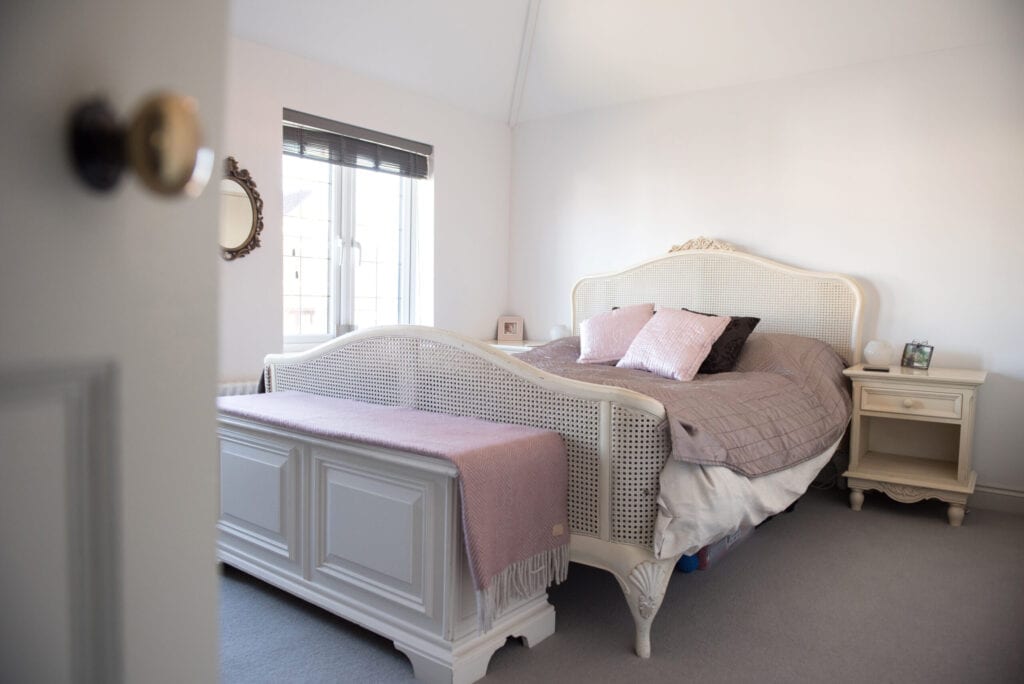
162, 143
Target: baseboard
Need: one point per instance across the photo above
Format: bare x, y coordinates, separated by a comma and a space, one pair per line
997, 499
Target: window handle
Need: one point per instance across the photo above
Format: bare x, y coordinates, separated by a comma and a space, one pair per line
356, 245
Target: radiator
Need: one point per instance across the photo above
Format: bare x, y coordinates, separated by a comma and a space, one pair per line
225, 389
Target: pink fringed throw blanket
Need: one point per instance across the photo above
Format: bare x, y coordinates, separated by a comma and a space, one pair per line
513, 481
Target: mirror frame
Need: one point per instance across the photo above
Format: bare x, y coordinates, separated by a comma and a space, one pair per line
243, 178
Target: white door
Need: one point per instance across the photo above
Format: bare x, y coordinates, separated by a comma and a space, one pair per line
107, 357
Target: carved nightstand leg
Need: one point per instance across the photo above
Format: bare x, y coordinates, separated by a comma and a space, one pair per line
856, 499
956, 514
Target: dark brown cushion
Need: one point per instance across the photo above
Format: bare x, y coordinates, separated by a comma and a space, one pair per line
726, 349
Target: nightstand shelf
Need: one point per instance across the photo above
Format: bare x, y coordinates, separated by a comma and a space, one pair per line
911, 435
910, 470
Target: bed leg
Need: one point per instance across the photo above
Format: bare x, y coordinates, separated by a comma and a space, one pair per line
644, 592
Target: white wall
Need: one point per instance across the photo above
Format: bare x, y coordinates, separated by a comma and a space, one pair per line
906, 174
471, 193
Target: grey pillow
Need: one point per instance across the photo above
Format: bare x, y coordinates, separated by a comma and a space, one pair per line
726, 349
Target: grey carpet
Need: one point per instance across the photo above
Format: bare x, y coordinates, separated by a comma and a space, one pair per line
889, 594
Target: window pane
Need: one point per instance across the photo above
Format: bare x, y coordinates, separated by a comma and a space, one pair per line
292, 276
305, 315
316, 206
292, 308
387, 281
314, 275
314, 315
378, 229
305, 170
292, 246
307, 233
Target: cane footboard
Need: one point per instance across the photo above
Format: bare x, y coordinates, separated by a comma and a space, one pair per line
617, 440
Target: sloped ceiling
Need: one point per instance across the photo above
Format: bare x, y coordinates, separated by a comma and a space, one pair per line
516, 60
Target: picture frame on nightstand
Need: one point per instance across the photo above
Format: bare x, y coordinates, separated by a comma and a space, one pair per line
917, 355
510, 329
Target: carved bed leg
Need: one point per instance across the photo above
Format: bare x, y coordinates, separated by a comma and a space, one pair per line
642, 578
644, 593
856, 499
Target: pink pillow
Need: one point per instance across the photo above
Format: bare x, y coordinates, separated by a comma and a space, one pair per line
673, 344
606, 337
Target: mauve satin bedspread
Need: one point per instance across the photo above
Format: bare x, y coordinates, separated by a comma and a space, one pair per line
786, 401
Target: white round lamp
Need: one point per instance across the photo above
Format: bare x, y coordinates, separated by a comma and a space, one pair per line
559, 331
878, 353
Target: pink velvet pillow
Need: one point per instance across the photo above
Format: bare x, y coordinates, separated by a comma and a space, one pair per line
673, 344
606, 337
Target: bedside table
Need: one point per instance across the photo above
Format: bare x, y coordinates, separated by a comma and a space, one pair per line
514, 347
912, 434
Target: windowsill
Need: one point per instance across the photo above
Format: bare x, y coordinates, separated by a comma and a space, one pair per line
290, 347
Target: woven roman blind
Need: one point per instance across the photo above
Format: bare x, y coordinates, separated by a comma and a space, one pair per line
314, 137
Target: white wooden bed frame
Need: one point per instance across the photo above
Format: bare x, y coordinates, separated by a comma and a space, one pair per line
617, 439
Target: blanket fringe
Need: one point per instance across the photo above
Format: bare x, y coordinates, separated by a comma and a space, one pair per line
519, 580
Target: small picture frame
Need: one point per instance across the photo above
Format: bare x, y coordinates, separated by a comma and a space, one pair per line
917, 355
510, 328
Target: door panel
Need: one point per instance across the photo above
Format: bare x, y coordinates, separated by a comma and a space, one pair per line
57, 502
127, 282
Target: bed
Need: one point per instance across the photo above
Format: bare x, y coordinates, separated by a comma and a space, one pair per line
618, 441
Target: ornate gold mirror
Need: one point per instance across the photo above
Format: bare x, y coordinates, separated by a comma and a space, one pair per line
241, 212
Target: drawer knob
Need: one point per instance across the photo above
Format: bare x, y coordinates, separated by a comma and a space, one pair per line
908, 403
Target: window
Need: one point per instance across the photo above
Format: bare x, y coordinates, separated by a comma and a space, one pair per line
350, 224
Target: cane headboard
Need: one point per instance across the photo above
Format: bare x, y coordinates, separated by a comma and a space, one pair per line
711, 277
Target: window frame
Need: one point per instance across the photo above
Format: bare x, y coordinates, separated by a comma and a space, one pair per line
342, 258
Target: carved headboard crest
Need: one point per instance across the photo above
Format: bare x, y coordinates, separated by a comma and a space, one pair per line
702, 243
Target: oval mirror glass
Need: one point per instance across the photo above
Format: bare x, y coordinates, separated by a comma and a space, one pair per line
236, 214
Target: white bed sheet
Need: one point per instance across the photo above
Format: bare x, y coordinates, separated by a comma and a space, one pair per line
713, 501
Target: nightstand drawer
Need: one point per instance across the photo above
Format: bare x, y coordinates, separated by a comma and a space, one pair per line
912, 402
